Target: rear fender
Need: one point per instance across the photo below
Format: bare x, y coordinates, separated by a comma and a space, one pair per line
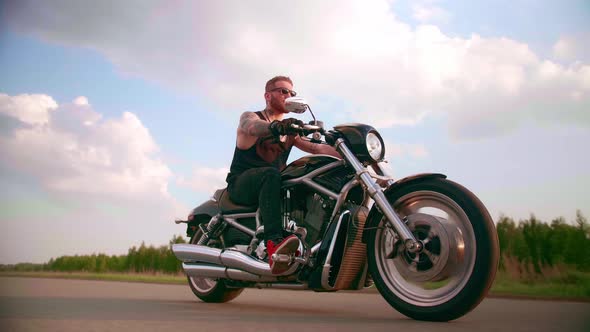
203, 213
392, 188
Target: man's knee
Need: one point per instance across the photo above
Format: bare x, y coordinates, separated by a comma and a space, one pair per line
271, 175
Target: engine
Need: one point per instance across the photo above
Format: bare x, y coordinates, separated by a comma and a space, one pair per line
311, 211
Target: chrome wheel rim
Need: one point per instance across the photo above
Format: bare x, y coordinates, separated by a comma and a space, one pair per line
440, 272
203, 285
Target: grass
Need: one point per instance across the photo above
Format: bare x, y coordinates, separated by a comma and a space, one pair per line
129, 277
570, 286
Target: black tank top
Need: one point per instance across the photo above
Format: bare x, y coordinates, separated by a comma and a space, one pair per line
266, 152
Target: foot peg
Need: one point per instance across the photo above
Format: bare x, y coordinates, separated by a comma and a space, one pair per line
281, 258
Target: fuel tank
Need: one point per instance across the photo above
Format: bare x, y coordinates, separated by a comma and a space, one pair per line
333, 178
305, 165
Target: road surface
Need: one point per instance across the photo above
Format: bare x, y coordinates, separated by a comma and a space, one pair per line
30, 304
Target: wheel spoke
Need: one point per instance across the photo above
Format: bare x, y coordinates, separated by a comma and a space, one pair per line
432, 257
439, 223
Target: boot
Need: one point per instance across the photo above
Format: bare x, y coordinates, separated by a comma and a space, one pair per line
286, 246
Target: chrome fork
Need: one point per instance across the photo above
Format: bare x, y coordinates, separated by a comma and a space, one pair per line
378, 196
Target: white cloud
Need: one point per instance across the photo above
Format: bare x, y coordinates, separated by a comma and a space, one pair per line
572, 48
29, 109
69, 149
205, 179
405, 150
382, 69
81, 101
426, 12
105, 175
564, 48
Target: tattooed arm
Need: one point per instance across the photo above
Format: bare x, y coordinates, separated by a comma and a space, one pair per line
252, 125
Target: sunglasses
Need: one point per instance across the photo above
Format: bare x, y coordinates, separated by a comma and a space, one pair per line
285, 91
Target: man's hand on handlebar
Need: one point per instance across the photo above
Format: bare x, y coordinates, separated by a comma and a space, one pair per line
285, 127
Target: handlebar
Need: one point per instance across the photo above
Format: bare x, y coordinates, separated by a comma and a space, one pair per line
317, 132
307, 127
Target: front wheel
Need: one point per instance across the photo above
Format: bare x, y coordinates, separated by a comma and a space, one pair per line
211, 290
458, 263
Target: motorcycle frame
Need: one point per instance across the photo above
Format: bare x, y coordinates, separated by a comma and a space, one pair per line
307, 179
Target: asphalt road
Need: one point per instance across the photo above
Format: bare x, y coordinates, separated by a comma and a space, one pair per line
28, 304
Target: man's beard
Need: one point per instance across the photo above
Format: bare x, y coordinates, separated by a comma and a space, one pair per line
278, 105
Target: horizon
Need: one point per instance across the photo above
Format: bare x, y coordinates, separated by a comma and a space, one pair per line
517, 222
118, 118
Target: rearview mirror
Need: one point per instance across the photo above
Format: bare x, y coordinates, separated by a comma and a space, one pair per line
296, 105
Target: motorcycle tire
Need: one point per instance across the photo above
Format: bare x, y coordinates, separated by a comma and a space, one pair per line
211, 290
461, 251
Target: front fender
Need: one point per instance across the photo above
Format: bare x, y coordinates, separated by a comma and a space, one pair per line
392, 188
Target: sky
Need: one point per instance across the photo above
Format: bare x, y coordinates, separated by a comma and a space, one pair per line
118, 117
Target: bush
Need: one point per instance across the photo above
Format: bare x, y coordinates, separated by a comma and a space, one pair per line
145, 259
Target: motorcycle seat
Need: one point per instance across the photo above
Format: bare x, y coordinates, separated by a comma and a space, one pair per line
226, 206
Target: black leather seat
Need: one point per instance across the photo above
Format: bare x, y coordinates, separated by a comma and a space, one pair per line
228, 207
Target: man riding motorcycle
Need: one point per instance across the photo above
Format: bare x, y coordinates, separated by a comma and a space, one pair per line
262, 148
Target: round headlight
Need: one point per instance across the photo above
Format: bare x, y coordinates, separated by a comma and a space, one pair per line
374, 146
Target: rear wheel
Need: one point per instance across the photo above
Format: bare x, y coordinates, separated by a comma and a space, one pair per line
211, 290
457, 266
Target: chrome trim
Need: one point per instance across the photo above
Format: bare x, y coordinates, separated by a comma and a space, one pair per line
307, 179
319, 188
286, 201
316, 172
192, 253
283, 286
238, 260
195, 252
204, 270
240, 215
343, 193
232, 222
378, 196
386, 177
381, 177
258, 220
327, 266
316, 247
243, 275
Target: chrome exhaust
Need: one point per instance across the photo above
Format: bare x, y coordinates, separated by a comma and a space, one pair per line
232, 259
204, 270
292, 286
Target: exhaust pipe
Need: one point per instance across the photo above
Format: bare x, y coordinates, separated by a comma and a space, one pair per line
232, 259
204, 270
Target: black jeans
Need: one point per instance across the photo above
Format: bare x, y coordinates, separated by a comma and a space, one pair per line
261, 186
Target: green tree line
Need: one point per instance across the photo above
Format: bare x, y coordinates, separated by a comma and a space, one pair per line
533, 247
142, 259
528, 248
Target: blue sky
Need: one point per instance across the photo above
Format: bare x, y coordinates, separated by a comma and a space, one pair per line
117, 118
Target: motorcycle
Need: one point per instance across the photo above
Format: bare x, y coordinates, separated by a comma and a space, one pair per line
426, 243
